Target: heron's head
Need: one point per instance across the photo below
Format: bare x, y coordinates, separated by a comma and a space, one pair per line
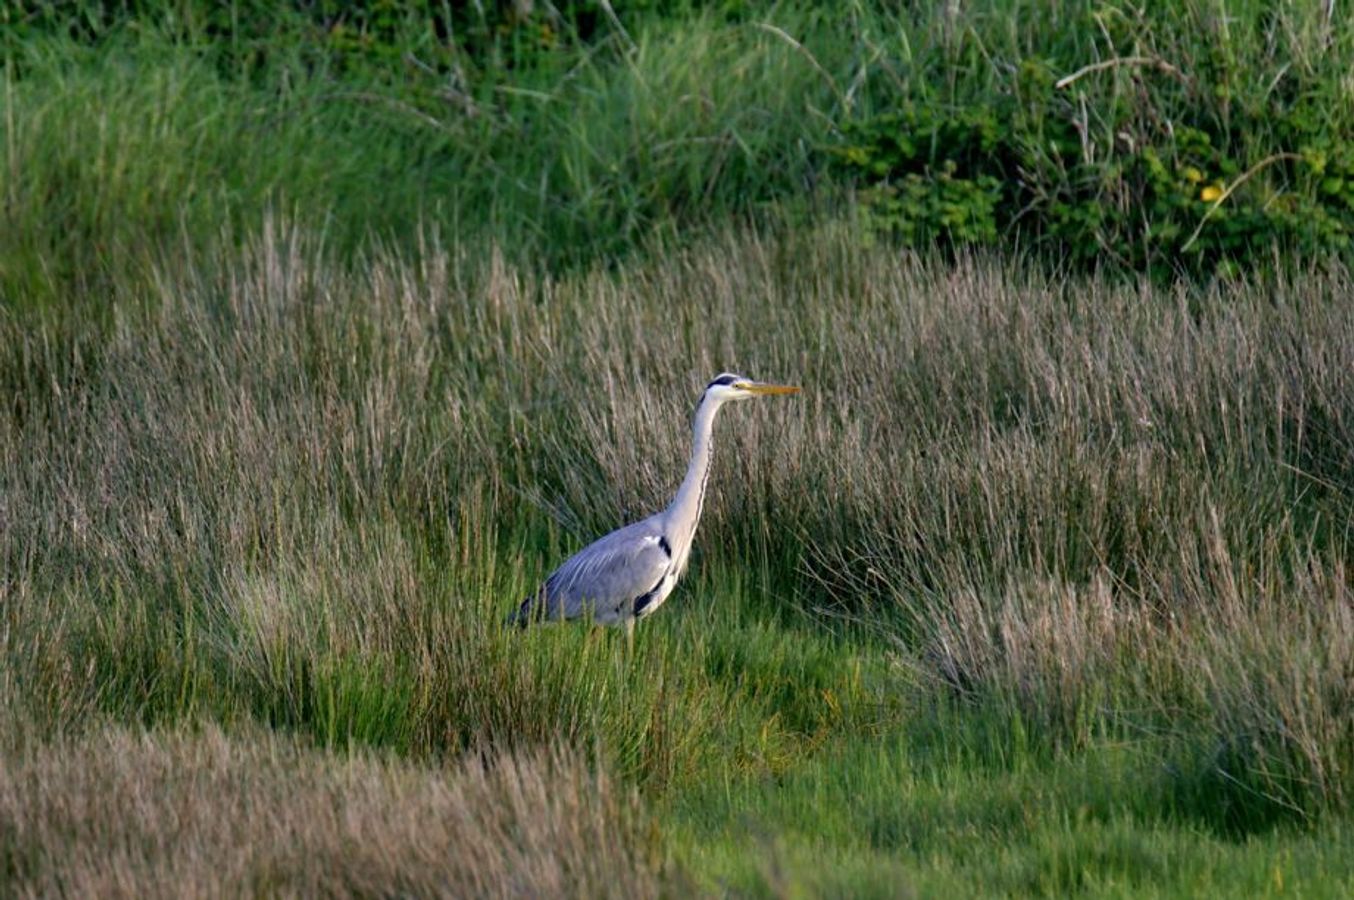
730, 386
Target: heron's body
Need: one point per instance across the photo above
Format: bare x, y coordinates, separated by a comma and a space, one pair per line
626, 575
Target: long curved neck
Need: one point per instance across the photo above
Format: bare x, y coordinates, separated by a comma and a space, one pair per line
684, 513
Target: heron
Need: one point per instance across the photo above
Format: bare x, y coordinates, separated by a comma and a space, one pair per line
626, 575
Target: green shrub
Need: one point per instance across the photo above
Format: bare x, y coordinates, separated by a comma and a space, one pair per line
1175, 142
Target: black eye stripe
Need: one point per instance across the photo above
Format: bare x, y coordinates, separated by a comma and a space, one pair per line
723, 381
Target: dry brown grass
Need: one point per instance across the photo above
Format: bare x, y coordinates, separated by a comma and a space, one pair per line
1043, 649
117, 813
1269, 662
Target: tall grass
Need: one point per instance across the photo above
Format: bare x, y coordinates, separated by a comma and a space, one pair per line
1104, 490
290, 491
143, 141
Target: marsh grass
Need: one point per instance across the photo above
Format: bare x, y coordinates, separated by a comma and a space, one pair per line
1013, 521
312, 364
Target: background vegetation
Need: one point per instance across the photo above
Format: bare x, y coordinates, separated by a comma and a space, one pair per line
1164, 138
325, 334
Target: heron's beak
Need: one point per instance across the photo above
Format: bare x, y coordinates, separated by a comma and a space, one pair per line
758, 387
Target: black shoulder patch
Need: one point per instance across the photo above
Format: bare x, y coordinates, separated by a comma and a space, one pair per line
667, 548
643, 600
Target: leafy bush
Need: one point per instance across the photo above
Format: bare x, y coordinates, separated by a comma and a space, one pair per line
1174, 143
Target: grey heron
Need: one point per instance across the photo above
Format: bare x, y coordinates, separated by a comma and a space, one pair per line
626, 575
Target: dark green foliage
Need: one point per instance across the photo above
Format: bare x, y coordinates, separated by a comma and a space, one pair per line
1164, 140
932, 174
374, 37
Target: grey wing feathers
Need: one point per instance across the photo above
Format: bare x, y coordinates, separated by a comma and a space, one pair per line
604, 576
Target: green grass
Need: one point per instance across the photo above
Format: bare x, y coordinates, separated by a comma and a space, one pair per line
881, 819
140, 143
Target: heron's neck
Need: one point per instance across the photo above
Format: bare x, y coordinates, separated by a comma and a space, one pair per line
685, 511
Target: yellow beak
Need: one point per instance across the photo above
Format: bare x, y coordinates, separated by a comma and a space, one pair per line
757, 387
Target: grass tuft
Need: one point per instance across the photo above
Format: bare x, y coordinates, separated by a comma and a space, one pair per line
114, 813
